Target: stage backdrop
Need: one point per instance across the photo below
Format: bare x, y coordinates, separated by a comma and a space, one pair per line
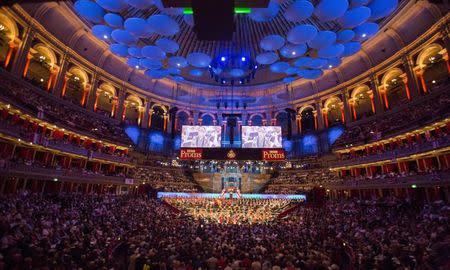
201, 136
261, 137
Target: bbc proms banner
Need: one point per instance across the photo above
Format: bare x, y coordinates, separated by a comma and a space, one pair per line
232, 154
201, 136
261, 137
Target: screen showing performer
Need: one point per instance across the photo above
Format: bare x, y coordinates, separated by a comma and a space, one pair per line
261, 137
201, 136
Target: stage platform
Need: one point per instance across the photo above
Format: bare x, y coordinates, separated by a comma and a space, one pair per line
300, 197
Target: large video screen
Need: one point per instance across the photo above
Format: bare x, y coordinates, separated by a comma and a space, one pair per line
261, 137
200, 136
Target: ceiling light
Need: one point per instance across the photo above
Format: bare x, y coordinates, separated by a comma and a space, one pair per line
364, 35
2, 27
330, 66
105, 36
137, 66
42, 80
243, 59
223, 58
294, 53
433, 81
76, 78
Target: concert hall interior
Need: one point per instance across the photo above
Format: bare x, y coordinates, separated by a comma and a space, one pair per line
224, 134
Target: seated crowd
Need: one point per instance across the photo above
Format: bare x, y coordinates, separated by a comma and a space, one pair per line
407, 118
74, 231
31, 132
436, 138
166, 179
293, 181
60, 114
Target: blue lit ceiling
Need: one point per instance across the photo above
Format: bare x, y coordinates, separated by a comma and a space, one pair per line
289, 40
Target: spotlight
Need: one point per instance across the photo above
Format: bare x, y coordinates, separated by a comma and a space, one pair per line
364, 35
294, 53
256, 67
136, 66
223, 58
330, 66
105, 36
243, 59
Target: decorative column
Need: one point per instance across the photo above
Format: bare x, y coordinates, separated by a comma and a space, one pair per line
166, 120
52, 80
372, 101
345, 100
352, 106
144, 122
124, 110
341, 107
64, 86
376, 93
11, 50
298, 120
118, 112
405, 82
27, 64
150, 114
86, 89
114, 106
97, 94
325, 116
92, 93
264, 122
140, 115
383, 93
446, 58
411, 80
419, 73
273, 122
320, 124
316, 124
61, 79
199, 121
196, 116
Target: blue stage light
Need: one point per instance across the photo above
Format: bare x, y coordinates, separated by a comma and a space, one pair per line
223, 58
243, 59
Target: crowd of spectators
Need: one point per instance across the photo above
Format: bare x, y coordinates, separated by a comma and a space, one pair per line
436, 107
294, 181
70, 231
58, 113
166, 179
435, 139
31, 132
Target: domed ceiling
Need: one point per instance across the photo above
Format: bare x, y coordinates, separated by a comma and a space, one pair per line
288, 40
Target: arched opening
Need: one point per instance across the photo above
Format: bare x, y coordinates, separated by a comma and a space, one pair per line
282, 120
158, 118
257, 120
333, 110
132, 109
435, 71
41, 63
76, 83
395, 89
8, 32
362, 102
106, 94
182, 119
308, 121
207, 120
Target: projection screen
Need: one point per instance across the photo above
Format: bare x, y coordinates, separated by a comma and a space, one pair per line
261, 137
200, 136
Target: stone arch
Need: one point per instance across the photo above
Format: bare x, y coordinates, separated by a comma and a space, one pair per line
77, 83
182, 118
256, 119
106, 94
332, 107
157, 117
307, 118
361, 104
431, 61
394, 87
8, 34
208, 118
42, 61
133, 108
